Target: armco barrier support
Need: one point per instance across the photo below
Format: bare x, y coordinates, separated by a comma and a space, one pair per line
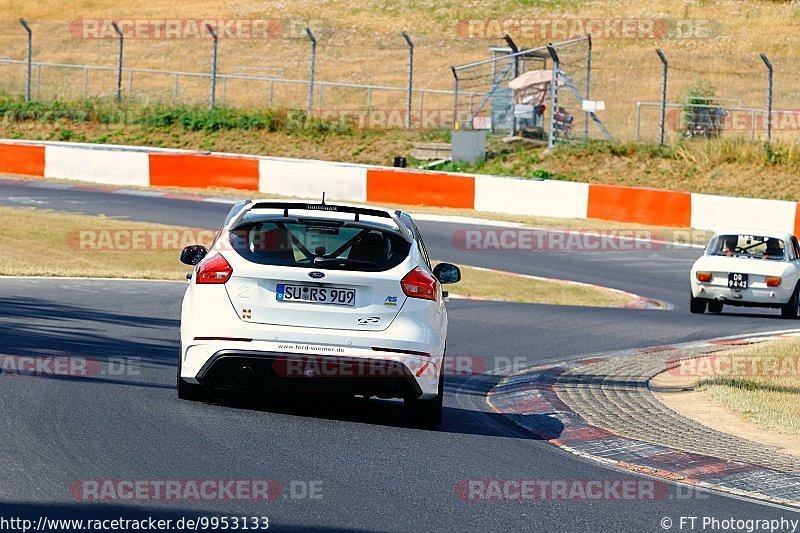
642, 206
544, 198
796, 227
144, 166
718, 211
94, 164
204, 170
309, 179
420, 188
22, 159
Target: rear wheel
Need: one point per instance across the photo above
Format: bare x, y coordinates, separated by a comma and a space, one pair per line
427, 412
791, 309
715, 307
191, 391
697, 305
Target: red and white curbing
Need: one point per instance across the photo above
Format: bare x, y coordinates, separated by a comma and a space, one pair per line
529, 399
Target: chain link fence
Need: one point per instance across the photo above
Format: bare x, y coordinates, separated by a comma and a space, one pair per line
283, 65
367, 75
707, 95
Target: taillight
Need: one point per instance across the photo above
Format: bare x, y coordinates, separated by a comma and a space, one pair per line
419, 284
214, 270
773, 281
703, 276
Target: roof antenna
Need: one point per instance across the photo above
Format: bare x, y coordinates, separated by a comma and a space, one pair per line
323, 197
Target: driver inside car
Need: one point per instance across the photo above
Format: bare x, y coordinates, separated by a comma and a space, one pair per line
729, 243
774, 249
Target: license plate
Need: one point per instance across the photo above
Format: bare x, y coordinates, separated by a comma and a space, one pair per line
737, 281
317, 295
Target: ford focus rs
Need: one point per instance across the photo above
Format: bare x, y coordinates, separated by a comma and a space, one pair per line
753, 268
302, 297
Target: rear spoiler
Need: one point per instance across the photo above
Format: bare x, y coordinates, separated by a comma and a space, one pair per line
242, 208
286, 206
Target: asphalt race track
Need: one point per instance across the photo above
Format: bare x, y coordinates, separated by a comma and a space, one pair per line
371, 471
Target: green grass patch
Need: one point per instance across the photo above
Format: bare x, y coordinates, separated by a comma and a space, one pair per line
770, 400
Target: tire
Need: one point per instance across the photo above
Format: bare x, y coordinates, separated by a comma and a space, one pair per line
791, 309
426, 412
191, 391
697, 305
714, 306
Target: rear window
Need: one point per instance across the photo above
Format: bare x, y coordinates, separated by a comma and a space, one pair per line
319, 244
748, 246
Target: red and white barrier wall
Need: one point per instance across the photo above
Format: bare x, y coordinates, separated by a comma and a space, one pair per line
142, 166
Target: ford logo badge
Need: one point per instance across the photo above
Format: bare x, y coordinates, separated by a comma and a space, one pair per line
316, 274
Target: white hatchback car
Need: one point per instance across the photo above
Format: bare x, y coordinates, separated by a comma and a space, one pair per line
754, 268
297, 296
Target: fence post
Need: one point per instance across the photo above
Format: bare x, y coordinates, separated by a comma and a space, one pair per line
514, 50
638, 119
663, 92
767, 62
311, 71
119, 61
213, 67
410, 78
455, 96
588, 83
28, 75
553, 95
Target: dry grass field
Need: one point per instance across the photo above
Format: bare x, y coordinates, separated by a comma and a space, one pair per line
360, 42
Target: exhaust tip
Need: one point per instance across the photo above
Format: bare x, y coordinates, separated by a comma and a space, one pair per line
247, 376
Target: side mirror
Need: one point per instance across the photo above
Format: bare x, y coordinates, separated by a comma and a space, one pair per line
191, 255
447, 273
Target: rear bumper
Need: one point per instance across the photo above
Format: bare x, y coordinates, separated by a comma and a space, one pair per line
291, 373
354, 372
755, 297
